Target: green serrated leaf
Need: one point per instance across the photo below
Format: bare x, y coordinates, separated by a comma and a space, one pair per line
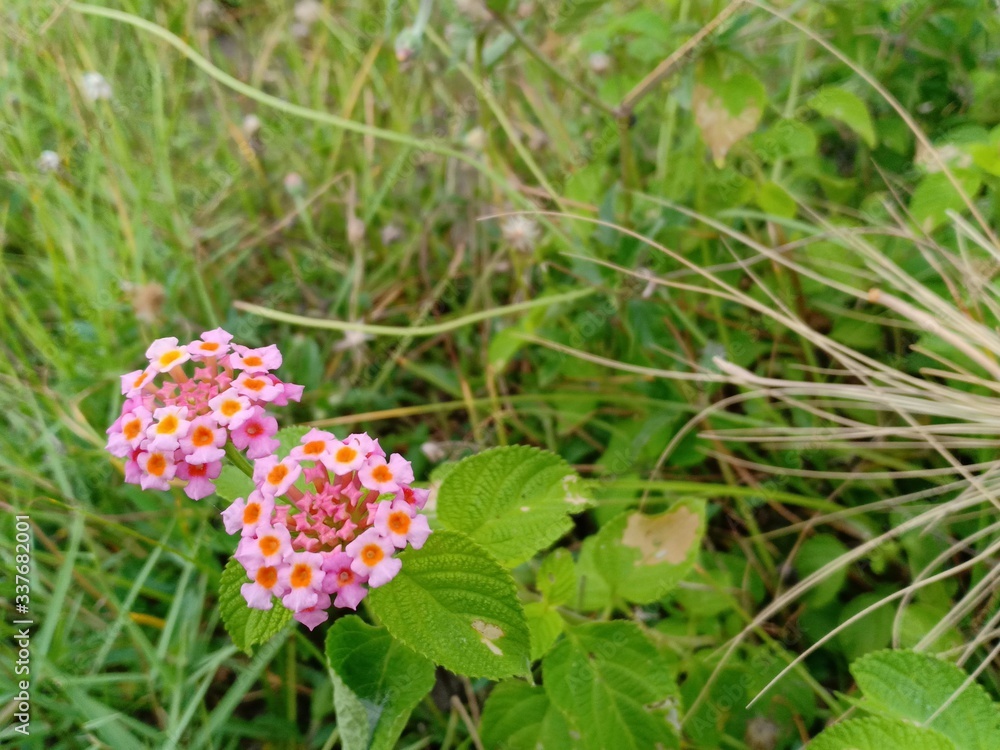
545, 625
614, 687
841, 104
877, 733
233, 483
518, 716
289, 437
556, 578
514, 500
455, 604
247, 627
639, 558
377, 683
912, 687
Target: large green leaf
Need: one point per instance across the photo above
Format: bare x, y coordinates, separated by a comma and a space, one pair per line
514, 500
877, 733
911, 686
639, 558
247, 627
455, 604
518, 716
614, 687
377, 681
935, 196
233, 483
841, 104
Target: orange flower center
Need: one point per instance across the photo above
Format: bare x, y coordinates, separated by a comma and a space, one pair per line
346, 455
156, 465
209, 346
168, 425
254, 384
253, 361
251, 513
301, 576
314, 447
372, 555
132, 429
231, 407
381, 474
139, 380
202, 436
269, 545
399, 522
172, 356
275, 475
267, 577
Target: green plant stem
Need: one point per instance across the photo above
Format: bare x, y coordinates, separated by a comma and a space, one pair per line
429, 330
238, 459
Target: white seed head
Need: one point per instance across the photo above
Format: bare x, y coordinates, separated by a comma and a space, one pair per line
48, 161
352, 340
475, 139
251, 124
94, 87
307, 12
433, 451
294, 183
391, 233
599, 62
520, 232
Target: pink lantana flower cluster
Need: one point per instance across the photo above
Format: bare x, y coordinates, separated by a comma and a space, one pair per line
322, 525
175, 425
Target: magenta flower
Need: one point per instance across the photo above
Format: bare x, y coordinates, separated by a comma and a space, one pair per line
342, 581
256, 434
199, 477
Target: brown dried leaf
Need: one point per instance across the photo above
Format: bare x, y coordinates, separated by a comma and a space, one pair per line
662, 539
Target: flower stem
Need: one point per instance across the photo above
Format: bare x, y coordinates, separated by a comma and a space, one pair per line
238, 459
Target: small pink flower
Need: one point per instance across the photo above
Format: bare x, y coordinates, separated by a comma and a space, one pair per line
265, 585
129, 431
271, 545
199, 477
399, 522
171, 425
214, 343
314, 446
158, 469
134, 382
303, 576
256, 434
230, 408
372, 555
265, 359
414, 496
292, 392
365, 444
344, 457
342, 581
204, 441
257, 387
246, 515
378, 475
164, 354
274, 477
316, 614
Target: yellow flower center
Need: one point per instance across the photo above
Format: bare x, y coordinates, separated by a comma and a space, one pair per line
275, 475
399, 522
267, 577
168, 425
202, 436
301, 576
156, 465
372, 555
172, 356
